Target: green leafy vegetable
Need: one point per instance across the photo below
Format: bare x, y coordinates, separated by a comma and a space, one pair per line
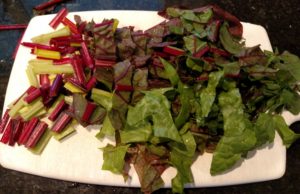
113, 158
287, 135
239, 136
207, 95
154, 106
228, 41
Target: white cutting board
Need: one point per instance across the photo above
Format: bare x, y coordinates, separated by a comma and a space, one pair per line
78, 158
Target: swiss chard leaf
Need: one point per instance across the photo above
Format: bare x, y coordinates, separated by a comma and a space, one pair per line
154, 106
228, 41
184, 174
193, 43
170, 72
291, 63
186, 96
264, 129
139, 133
113, 158
239, 136
194, 64
107, 129
104, 41
287, 135
149, 176
208, 94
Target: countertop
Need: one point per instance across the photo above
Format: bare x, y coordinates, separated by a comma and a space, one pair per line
281, 20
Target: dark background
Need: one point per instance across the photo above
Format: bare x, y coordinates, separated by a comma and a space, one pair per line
281, 20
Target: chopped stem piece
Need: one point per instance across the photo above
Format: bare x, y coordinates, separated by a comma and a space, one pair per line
39, 46
27, 131
47, 4
41, 144
86, 55
33, 81
48, 54
65, 31
62, 121
62, 61
53, 69
104, 63
73, 88
57, 110
7, 133
78, 69
58, 18
33, 109
56, 85
91, 83
64, 133
71, 25
16, 107
89, 109
13, 26
36, 134
33, 95
4, 121
44, 81
173, 50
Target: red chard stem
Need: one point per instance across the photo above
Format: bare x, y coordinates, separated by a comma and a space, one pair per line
28, 130
56, 85
36, 134
33, 95
89, 109
62, 121
4, 121
57, 110
58, 18
7, 133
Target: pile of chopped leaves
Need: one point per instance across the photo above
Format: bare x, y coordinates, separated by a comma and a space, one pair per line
168, 94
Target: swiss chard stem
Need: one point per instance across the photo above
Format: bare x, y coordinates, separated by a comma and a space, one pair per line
39, 46
78, 69
27, 131
56, 85
58, 18
65, 31
47, 54
53, 69
4, 121
91, 83
104, 63
36, 134
41, 144
18, 128
86, 55
47, 4
71, 25
74, 88
89, 109
173, 50
13, 26
57, 110
33, 95
61, 122
33, 109
44, 81
7, 133
32, 76
64, 133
